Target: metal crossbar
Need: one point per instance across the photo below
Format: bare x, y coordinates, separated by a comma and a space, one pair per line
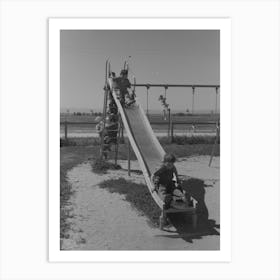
176, 85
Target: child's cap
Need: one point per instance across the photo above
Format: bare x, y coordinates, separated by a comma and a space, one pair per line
169, 158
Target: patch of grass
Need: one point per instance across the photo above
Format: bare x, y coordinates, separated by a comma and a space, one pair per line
67, 142
177, 139
89, 152
69, 157
191, 150
86, 141
65, 194
101, 166
191, 140
138, 195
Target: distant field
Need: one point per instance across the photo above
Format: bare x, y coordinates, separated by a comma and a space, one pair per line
153, 118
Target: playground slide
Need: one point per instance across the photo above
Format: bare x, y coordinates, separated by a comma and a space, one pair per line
142, 139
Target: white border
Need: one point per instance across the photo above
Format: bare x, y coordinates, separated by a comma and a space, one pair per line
55, 25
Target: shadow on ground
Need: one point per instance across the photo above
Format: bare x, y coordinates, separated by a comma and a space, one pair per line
183, 223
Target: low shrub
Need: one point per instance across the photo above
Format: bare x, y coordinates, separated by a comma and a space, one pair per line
190, 140
67, 142
177, 139
65, 194
101, 166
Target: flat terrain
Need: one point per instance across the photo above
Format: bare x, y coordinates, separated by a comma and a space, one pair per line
94, 217
103, 220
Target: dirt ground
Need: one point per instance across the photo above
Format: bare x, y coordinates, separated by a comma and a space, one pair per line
101, 220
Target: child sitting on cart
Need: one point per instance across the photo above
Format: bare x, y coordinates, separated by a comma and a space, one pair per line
163, 180
168, 189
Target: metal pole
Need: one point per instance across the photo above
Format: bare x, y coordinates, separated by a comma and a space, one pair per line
104, 109
172, 132
116, 153
169, 123
117, 144
215, 144
165, 90
177, 85
128, 161
193, 92
216, 101
65, 130
122, 133
147, 101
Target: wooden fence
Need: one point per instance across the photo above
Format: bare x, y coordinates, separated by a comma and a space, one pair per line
171, 126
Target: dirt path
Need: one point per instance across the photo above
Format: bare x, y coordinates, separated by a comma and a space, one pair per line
105, 221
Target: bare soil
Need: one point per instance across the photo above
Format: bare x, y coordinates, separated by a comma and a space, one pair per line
101, 220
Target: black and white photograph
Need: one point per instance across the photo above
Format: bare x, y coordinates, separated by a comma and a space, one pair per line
140, 139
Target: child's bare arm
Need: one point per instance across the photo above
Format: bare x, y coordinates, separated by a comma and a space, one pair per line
176, 175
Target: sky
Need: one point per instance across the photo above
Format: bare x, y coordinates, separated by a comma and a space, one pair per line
155, 56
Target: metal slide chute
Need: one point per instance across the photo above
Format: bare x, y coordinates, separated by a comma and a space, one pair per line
145, 145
